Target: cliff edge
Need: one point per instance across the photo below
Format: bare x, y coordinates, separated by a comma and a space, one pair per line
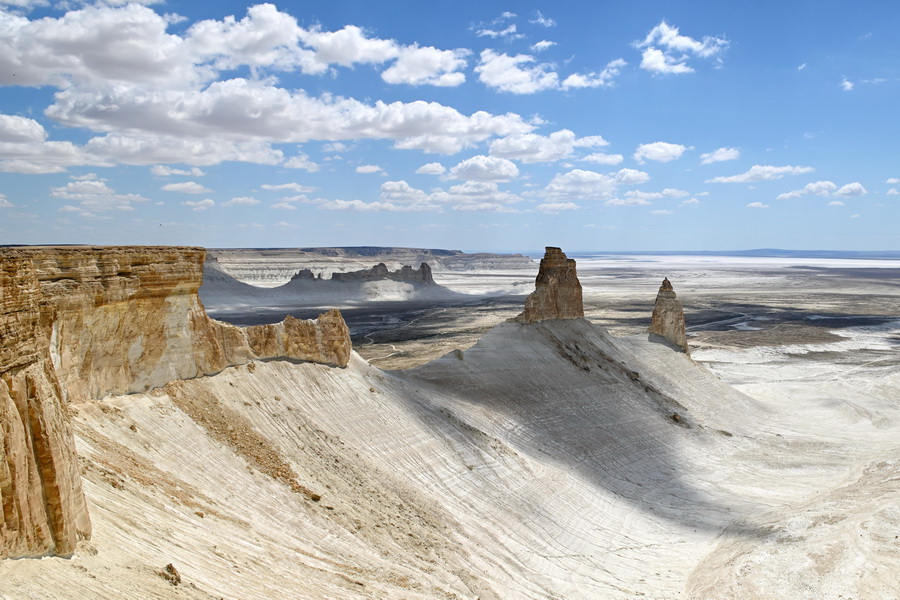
78, 323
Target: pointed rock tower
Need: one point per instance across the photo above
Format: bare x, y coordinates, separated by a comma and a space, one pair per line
557, 291
668, 317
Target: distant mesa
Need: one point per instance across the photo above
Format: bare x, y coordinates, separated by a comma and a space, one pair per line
406, 273
557, 291
668, 317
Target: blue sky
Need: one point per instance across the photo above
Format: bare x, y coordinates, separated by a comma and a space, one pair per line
481, 126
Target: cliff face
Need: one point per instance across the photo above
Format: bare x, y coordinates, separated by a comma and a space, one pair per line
406, 273
668, 317
78, 323
557, 291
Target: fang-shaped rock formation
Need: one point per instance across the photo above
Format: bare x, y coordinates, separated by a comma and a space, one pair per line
668, 317
557, 291
78, 323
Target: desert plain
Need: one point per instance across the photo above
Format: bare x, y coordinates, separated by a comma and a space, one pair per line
463, 455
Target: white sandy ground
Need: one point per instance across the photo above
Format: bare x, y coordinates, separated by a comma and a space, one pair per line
544, 462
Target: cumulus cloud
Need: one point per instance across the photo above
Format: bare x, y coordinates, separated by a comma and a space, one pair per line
433, 168
399, 196
604, 159
659, 152
166, 171
293, 187
690, 202
484, 168
846, 85
369, 169
4, 203
666, 51
893, 192
893, 180
757, 205
541, 20
662, 212
552, 208
24, 148
542, 45
302, 161
200, 205
532, 148
579, 184
94, 196
521, 74
515, 74
242, 201
722, 154
428, 65
836, 203
762, 173
186, 187
826, 189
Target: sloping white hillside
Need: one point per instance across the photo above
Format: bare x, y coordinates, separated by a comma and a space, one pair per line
548, 461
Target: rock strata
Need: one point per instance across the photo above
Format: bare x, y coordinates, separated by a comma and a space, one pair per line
406, 273
79, 323
557, 291
668, 317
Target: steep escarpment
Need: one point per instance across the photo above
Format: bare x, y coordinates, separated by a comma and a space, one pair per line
80, 323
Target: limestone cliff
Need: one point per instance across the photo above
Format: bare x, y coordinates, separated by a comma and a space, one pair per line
406, 273
78, 323
557, 291
668, 317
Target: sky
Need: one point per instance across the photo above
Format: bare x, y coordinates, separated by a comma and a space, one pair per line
482, 126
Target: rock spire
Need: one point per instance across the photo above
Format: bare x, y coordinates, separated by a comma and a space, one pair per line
557, 291
668, 317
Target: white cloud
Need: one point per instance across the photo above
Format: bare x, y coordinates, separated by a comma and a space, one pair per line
856, 216
662, 212
484, 168
835, 203
294, 187
508, 73
552, 208
4, 203
579, 184
242, 201
532, 148
604, 159
826, 189
166, 171
509, 33
431, 169
542, 45
722, 154
284, 205
348, 46
626, 202
658, 151
94, 196
428, 65
690, 202
200, 205
666, 51
186, 187
762, 173
846, 85
666, 193
801, 67
892, 180
593, 80
24, 148
148, 149
541, 20
851, 190
477, 196
757, 205
369, 169
302, 161
893, 192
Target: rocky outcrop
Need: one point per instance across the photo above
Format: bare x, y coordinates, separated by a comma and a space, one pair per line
406, 273
79, 323
557, 291
668, 317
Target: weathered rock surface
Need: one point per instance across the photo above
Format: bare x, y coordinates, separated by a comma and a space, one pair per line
79, 323
557, 293
668, 317
406, 273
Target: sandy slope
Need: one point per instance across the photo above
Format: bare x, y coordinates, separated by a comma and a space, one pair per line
544, 462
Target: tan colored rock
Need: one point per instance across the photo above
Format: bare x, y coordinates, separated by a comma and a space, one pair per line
668, 317
557, 291
79, 323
